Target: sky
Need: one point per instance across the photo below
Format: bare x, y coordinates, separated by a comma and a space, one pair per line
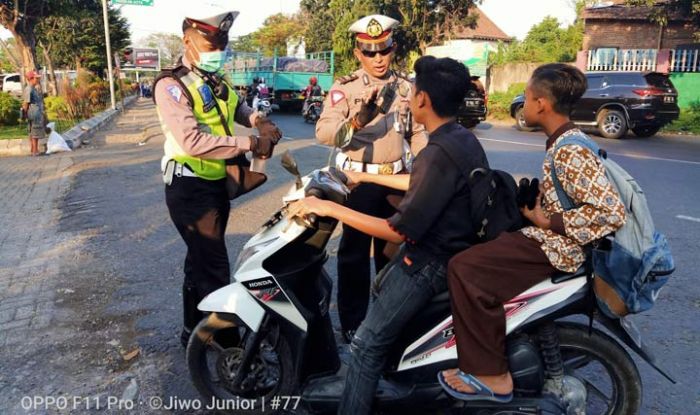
515, 17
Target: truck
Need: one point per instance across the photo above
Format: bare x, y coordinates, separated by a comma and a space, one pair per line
285, 76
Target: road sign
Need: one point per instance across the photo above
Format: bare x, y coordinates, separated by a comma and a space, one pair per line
134, 2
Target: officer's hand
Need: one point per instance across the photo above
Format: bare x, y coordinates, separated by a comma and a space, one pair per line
267, 128
369, 109
262, 146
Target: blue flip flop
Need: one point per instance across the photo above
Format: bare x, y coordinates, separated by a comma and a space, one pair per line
483, 392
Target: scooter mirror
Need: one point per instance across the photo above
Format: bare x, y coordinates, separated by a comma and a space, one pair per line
290, 164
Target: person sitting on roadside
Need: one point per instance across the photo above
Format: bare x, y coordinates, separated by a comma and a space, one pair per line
432, 222
484, 277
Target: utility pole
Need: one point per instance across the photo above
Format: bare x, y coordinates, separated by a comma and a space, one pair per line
109, 54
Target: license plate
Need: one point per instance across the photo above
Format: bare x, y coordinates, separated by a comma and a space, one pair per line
472, 103
669, 99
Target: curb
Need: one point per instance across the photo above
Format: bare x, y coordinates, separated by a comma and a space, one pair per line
74, 137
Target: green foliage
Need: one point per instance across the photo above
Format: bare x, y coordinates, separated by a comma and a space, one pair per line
9, 110
55, 107
545, 42
275, 32
244, 43
13, 132
320, 25
688, 121
499, 102
422, 23
170, 45
77, 38
9, 60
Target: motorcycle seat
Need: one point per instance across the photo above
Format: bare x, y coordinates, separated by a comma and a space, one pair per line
441, 298
561, 276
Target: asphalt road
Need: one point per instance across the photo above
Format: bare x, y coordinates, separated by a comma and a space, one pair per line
115, 332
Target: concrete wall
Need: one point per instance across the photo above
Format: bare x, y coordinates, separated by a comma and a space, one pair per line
500, 77
688, 87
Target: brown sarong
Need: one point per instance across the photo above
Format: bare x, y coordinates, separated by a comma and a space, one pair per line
481, 279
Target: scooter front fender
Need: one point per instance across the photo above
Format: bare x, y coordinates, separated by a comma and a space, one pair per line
234, 299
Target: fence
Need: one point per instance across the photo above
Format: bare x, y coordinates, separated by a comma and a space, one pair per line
622, 60
685, 60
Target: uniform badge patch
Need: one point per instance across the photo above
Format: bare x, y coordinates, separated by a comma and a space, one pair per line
336, 96
175, 92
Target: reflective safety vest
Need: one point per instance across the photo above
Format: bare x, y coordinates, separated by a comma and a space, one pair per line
202, 98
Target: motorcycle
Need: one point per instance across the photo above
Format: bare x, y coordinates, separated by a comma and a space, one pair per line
269, 334
313, 109
263, 106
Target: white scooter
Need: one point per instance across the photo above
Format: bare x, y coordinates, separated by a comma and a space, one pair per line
268, 334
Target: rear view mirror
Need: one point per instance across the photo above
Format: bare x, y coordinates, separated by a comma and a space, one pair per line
290, 164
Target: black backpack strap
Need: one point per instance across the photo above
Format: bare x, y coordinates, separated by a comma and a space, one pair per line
175, 73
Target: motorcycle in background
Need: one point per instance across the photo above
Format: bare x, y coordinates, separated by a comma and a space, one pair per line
314, 109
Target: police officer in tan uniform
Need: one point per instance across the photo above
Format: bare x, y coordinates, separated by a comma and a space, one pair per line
368, 113
197, 107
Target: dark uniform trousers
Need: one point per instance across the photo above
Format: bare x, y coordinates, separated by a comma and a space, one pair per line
199, 209
354, 274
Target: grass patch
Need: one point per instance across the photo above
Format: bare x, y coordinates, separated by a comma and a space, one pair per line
21, 131
13, 132
499, 102
688, 122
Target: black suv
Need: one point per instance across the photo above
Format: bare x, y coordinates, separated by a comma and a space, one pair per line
473, 109
617, 101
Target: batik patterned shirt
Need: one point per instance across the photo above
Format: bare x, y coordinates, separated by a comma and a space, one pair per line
599, 209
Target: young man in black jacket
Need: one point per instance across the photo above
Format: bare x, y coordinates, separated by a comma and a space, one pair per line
432, 223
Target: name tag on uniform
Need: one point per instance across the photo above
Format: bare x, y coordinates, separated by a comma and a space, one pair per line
207, 97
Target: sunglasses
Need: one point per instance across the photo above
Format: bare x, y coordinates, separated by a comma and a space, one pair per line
384, 52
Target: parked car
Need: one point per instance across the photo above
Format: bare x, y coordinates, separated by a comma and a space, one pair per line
473, 109
11, 84
616, 102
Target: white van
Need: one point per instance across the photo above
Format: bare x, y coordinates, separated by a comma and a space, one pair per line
11, 84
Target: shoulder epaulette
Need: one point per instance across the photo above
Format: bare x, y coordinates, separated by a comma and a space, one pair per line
348, 78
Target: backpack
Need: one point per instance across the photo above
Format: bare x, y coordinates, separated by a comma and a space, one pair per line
493, 195
494, 205
633, 265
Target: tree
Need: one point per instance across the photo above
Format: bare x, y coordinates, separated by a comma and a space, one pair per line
20, 17
320, 24
276, 30
426, 23
547, 41
422, 23
76, 38
661, 12
9, 61
244, 43
170, 45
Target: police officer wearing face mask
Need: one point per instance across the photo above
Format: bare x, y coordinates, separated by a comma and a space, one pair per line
197, 108
367, 114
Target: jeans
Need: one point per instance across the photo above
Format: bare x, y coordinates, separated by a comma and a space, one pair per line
403, 292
